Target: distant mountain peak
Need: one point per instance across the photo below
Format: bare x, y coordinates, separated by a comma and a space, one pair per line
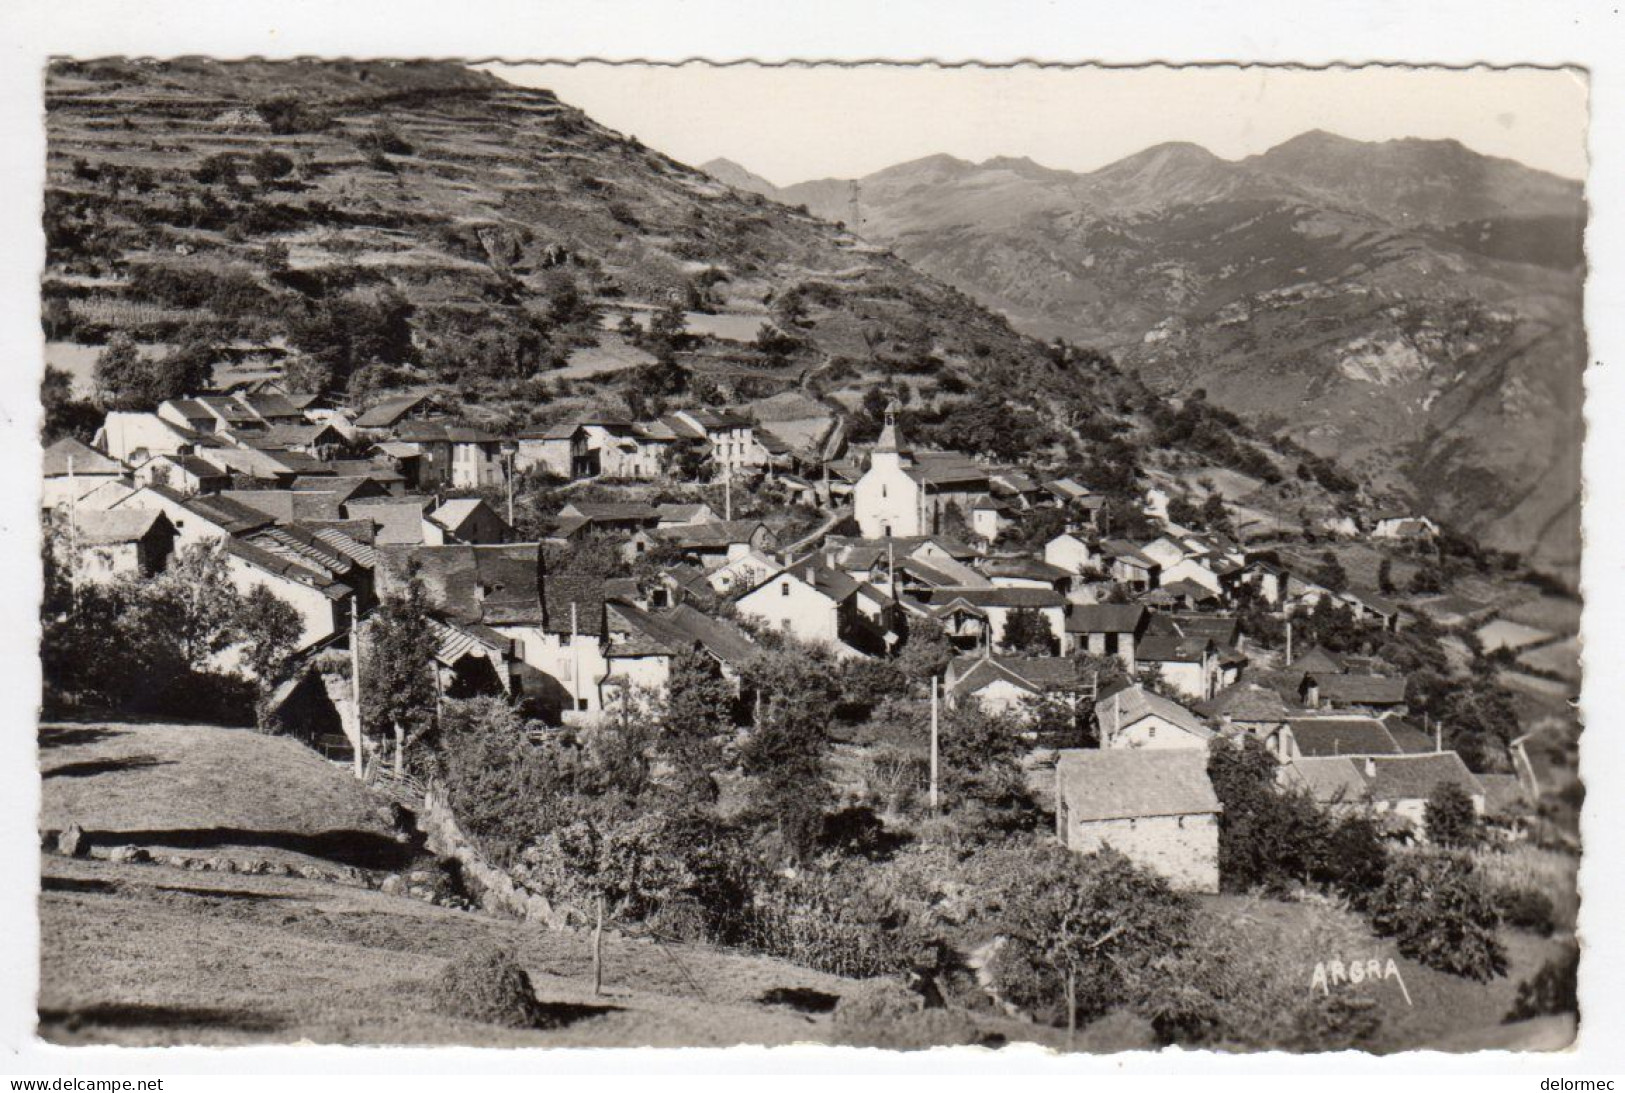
739, 177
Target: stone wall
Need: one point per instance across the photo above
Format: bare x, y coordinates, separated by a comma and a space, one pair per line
1184, 849
494, 888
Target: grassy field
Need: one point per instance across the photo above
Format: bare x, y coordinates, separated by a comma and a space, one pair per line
201, 788
148, 954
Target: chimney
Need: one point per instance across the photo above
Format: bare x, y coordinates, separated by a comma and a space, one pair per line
1311, 694
1370, 767
812, 573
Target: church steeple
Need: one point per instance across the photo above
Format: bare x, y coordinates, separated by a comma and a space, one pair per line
889, 440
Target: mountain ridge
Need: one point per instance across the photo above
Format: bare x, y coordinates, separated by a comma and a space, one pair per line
1411, 305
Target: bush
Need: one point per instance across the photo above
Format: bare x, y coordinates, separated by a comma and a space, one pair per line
1526, 909
1450, 817
1441, 914
487, 985
1552, 990
889, 1015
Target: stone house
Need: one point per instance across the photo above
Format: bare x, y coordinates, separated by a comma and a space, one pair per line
1155, 806
1134, 717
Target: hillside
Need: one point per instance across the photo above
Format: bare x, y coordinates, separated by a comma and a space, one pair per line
374, 226
1411, 307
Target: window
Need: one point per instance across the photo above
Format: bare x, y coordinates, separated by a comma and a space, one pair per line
784, 589
1151, 732
883, 489
581, 703
564, 639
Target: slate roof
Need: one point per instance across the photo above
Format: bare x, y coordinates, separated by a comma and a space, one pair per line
426, 432
668, 633
1126, 551
1317, 736
1105, 618
388, 412
1317, 661
1125, 707
86, 460
1247, 702
234, 516
608, 511
1173, 648
399, 519
1023, 566
1134, 783
1359, 690
1410, 737
118, 525
699, 536
1329, 779
452, 514
1005, 597
1032, 674
1414, 777
286, 568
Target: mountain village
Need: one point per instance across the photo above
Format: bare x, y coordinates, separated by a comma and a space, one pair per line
332, 509
546, 593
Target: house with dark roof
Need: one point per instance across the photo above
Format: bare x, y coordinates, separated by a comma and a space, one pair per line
1106, 630
120, 543
186, 473
461, 457
197, 519
1156, 806
1128, 565
1385, 785
470, 520
387, 413
996, 605
556, 621
1247, 707
1315, 736
611, 515
72, 468
1348, 691
1136, 717
709, 545
1008, 684
814, 602
643, 645
399, 521
320, 599
1023, 571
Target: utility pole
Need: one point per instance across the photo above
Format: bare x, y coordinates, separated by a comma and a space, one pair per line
355, 681
934, 733
728, 492
73, 538
575, 658
509, 453
1289, 641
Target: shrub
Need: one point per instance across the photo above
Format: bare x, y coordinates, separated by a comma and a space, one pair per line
1449, 816
1441, 914
1526, 909
487, 985
889, 1015
1552, 990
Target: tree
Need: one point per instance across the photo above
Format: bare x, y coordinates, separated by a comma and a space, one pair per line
1083, 933
1330, 573
697, 712
1385, 576
787, 749
1267, 838
66, 415
1027, 631
268, 630
1440, 912
122, 377
926, 650
398, 687
1449, 816
980, 759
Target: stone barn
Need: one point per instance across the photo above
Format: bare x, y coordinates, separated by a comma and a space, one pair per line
1155, 806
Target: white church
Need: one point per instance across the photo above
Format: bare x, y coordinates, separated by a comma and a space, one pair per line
904, 493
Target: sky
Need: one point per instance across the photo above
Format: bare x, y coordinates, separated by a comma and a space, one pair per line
794, 124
